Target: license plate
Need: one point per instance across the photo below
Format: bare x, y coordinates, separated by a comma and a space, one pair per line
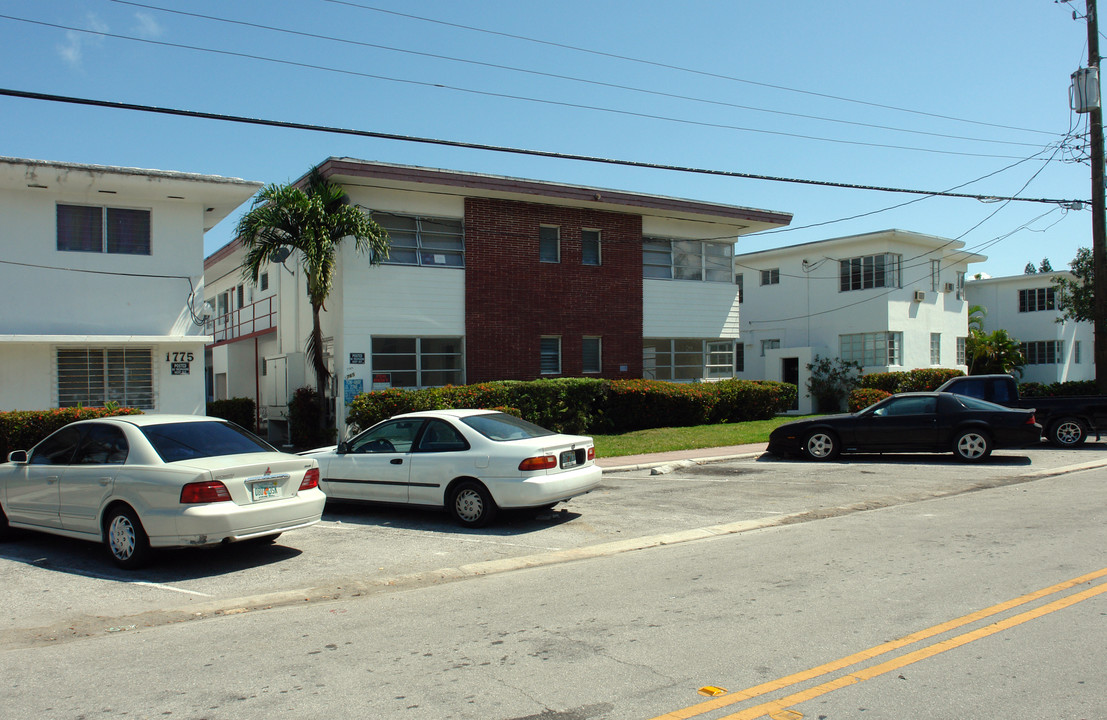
261, 491
569, 459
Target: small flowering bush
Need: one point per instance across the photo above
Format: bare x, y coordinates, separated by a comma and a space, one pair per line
23, 429
917, 380
861, 398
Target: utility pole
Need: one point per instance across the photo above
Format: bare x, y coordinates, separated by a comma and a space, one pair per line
1099, 223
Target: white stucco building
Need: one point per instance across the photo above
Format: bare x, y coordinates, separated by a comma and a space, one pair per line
102, 269
490, 278
890, 300
1026, 306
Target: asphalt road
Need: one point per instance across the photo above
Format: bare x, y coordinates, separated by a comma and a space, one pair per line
58, 589
877, 588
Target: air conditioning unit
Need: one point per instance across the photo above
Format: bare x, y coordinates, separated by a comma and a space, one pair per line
920, 295
949, 287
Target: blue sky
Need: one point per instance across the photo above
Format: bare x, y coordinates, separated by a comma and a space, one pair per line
921, 95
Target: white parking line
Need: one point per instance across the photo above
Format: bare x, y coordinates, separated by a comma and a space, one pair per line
98, 576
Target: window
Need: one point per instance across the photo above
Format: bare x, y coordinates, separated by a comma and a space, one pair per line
418, 361
687, 359
739, 358
935, 274
960, 285
688, 260
871, 349
591, 362
720, 359
1043, 352
221, 304
549, 244
935, 348
770, 277
962, 353
590, 247
121, 231
395, 436
871, 271
1076, 352
441, 436
263, 281
1035, 300
57, 449
102, 445
550, 355
241, 296
771, 344
739, 280
423, 241
94, 376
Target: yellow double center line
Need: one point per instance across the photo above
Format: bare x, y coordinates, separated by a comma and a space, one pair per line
781, 704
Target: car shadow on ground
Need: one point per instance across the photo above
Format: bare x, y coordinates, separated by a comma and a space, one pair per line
913, 458
506, 523
75, 557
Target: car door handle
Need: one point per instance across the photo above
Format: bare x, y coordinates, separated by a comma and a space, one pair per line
397, 461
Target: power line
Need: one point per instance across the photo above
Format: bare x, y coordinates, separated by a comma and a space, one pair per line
502, 149
557, 76
679, 68
487, 93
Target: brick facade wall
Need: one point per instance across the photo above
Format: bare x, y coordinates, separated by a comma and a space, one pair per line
512, 299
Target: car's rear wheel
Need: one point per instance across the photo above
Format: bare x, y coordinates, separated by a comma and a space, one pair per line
821, 445
1068, 432
471, 504
127, 543
972, 446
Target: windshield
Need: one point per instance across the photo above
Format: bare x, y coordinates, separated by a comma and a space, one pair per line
500, 427
191, 440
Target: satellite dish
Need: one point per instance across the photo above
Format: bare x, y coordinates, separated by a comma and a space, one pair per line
281, 254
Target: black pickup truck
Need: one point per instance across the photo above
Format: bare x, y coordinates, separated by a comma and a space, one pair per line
1066, 420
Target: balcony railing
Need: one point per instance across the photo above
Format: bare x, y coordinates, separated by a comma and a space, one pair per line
249, 320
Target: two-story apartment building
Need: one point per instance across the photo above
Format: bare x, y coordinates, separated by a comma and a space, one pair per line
491, 278
1029, 309
889, 300
102, 272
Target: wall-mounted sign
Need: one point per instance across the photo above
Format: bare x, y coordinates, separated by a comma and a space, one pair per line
382, 381
357, 358
179, 368
352, 387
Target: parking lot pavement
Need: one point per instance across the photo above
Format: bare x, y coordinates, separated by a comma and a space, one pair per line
59, 588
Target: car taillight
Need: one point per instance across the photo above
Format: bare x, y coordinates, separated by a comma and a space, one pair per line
204, 492
311, 479
591, 453
543, 462
1031, 421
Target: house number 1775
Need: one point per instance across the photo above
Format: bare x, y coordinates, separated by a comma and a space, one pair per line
179, 357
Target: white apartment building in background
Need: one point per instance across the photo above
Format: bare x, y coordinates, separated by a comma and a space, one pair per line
1027, 307
889, 300
102, 270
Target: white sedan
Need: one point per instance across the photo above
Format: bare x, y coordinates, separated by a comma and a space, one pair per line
470, 462
138, 482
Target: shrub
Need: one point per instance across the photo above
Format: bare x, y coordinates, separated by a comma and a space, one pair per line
23, 429
861, 398
744, 400
917, 380
239, 410
303, 420
830, 381
642, 404
1073, 387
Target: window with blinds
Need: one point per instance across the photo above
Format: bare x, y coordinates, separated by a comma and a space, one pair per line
91, 377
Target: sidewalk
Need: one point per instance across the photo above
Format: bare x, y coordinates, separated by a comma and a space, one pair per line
651, 460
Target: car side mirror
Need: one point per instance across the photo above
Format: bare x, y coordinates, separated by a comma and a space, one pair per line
342, 448
17, 456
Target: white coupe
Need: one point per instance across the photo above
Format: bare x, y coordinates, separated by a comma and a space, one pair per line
470, 462
138, 482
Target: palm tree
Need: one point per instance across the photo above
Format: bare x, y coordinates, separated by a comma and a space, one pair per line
313, 221
995, 352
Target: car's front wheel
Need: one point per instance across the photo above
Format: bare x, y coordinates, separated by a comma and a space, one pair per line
821, 445
971, 446
1068, 432
471, 504
125, 539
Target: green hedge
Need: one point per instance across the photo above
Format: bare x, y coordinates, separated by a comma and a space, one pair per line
23, 429
579, 405
918, 380
861, 398
239, 410
1074, 387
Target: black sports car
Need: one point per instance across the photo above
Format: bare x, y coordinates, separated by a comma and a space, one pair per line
912, 422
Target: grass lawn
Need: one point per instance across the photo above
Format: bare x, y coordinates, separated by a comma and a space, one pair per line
687, 438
